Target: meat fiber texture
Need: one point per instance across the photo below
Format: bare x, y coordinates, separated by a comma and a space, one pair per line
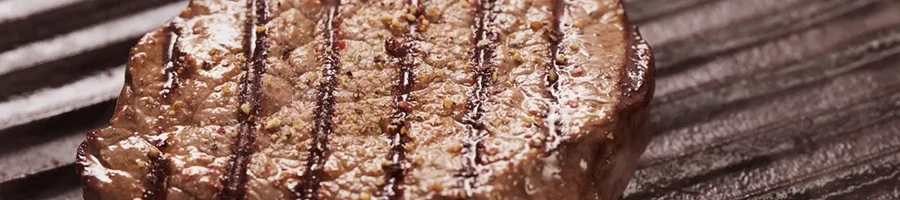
439, 99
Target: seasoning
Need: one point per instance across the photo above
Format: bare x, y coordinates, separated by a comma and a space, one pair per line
552, 76
423, 24
437, 187
404, 130
431, 12
456, 147
448, 104
518, 57
364, 196
561, 59
536, 25
245, 108
273, 123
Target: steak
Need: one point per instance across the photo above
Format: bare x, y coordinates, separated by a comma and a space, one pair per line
431, 99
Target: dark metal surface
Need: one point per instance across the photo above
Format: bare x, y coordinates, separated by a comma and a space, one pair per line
756, 99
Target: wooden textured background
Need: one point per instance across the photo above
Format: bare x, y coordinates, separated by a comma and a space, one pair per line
756, 99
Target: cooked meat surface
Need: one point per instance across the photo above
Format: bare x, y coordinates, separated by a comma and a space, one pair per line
414, 99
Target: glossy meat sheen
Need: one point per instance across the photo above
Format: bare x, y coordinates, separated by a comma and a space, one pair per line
278, 99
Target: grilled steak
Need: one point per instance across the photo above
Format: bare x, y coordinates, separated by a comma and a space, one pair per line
431, 99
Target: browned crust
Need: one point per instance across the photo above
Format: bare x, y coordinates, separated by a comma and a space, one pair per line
90, 191
637, 82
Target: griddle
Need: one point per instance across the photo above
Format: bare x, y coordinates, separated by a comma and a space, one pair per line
756, 99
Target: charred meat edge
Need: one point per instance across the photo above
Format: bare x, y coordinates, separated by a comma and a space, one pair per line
255, 52
637, 80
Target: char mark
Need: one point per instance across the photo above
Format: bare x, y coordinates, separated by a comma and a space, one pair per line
482, 60
406, 52
156, 179
255, 52
173, 59
324, 125
553, 119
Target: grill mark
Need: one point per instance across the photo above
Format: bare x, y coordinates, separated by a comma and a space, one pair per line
324, 125
552, 119
174, 60
485, 45
407, 52
255, 51
156, 180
